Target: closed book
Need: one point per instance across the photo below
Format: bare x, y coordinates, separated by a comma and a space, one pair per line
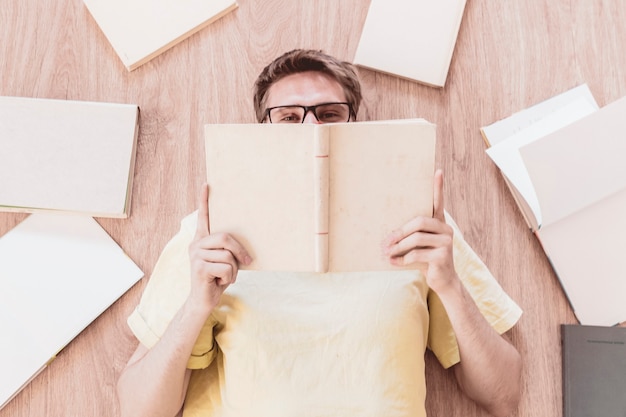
67, 156
594, 371
412, 39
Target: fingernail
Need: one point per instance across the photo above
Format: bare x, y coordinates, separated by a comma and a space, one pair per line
247, 260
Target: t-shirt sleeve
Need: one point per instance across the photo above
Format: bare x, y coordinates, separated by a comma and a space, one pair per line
164, 295
495, 305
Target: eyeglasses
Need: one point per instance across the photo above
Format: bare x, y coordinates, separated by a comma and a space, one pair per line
324, 113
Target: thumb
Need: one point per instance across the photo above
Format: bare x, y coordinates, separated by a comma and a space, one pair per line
438, 212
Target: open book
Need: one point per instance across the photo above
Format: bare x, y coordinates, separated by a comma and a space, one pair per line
563, 160
67, 156
139, 30
58, 272
318, 197
412, 39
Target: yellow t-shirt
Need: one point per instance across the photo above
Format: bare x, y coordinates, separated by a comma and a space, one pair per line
319, 345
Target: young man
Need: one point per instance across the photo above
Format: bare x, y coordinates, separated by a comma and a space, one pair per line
285, 344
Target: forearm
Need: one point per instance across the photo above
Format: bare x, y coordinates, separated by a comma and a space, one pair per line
154, 384
490, 367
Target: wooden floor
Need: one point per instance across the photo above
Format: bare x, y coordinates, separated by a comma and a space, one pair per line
509, 55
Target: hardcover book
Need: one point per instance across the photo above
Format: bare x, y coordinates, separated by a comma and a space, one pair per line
67, 156
318, 197
412, 39
594, 370
139, 30
564, 164
58, 272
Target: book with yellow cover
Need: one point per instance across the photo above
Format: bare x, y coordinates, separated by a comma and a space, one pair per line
318, 197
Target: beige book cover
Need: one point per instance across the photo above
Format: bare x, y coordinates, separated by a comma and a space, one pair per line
67, 156
58, 272
318, 197
139, 30
563, 161
412, 39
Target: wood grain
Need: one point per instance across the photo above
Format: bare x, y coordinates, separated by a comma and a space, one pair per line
509, 55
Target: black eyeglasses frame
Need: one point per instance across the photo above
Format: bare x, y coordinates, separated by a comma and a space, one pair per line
312, 109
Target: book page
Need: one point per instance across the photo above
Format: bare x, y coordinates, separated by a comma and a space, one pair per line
381, 177
506, 155
262, 191
505, 128
586, 250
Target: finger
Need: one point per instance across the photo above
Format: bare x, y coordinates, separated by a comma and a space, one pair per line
202, 229
227, 242
419, 241
420, 257
221, 273
415, 225
438, 195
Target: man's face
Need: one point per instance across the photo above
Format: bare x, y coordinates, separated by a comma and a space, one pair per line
305, 89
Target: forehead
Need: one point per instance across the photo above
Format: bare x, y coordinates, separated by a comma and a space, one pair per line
305, 88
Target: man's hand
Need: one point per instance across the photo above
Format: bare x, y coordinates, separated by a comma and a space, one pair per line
214, 258
426, 241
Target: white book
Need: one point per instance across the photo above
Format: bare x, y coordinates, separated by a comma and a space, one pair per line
570, 155
68, 156
412, 39
139, 30
58, 272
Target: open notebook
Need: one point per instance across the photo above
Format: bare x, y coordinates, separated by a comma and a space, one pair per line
563, 160
57, 274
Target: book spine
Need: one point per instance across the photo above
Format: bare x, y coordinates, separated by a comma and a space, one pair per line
322, 193
565, 377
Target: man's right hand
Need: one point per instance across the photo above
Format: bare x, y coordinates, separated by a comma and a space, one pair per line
214, 259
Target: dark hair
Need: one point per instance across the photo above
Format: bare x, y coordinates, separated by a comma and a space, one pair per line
302, 60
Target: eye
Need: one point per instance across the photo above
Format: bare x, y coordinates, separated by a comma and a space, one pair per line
328, 116
292, 117
333, 112
286, 115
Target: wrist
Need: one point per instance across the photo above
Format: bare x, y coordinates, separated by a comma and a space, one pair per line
447, 286
198, 306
